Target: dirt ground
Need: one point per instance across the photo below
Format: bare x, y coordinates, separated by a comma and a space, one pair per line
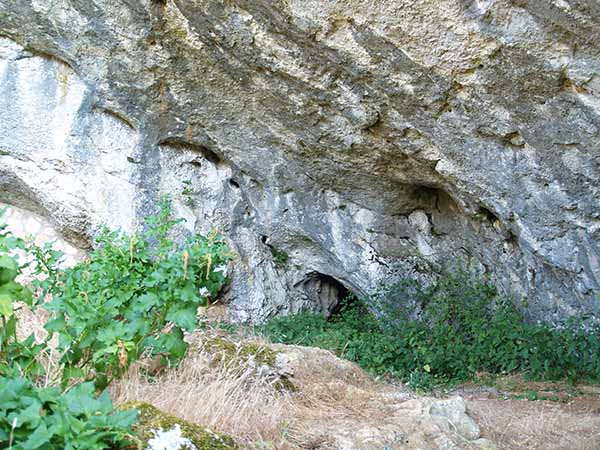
517, 414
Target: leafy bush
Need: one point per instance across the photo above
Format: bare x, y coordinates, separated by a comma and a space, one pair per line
32, 417
135, 294
46, 418
15, 354
446, 332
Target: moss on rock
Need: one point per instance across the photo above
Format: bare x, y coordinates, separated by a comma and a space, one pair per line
152, 420
284, 384
242, 356
239, 354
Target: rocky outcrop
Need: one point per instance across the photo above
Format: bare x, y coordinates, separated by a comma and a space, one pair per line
337, 144
345, 409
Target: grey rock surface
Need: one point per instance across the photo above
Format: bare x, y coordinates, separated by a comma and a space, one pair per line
337, 144
451, 414
388, 417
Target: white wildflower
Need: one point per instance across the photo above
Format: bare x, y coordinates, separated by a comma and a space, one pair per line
204, 292
222, 268
170, 440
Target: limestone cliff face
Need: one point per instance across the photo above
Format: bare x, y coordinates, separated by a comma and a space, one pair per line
337, 143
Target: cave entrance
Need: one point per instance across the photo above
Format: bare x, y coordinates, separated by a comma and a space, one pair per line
325, 293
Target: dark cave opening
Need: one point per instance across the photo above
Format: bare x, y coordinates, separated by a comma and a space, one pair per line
325, 292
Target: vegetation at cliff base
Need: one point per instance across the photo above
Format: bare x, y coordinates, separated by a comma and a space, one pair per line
446, 332
137, 294
33, 417
134, 296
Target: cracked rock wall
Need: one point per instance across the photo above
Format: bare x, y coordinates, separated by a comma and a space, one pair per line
337, 144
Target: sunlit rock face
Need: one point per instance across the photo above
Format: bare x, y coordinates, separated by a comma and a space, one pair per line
61, 156
37, 229
337, 144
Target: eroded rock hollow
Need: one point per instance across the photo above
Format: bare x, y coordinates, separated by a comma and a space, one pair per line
337, 144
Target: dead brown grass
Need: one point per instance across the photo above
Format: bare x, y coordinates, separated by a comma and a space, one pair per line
250, 410
537, 425
570, 420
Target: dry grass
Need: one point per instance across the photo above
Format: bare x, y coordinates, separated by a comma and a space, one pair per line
332, 393
31, 322
565, 417
327, 405
537, 425
250, 410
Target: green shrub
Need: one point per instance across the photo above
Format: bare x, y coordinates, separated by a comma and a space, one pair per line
446, 332
46, 418
280, 257
135, 294
15, 354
